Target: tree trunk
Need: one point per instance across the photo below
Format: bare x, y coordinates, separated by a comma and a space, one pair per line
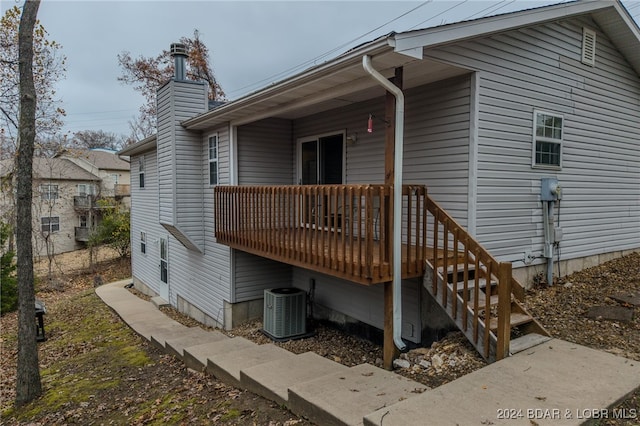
28, 385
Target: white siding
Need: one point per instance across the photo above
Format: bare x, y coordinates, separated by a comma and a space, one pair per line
145, 218
540, 68
265, 153
436, 149
180, 159
204, 279
165, 160
363, 303
436, 145
201, 279
254, 274
436, 153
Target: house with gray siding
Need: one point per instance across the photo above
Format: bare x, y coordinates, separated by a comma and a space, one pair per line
513, 140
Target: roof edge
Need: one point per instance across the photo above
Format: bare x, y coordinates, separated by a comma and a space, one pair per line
325, 68
460, 31
146, 144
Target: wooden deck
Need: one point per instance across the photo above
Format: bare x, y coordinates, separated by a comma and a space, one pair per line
333, 253
345, 231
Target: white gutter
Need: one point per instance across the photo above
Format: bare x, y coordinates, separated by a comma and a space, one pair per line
397, 199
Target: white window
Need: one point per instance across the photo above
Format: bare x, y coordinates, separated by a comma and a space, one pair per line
49, 192
213, 160
114, 178
141, 171
143, 242
50, 224
86, 189
547, 140
164, 260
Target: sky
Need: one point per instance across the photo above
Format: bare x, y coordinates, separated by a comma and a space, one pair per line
251, 43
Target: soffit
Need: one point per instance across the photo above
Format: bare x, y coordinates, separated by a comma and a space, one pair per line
346, 85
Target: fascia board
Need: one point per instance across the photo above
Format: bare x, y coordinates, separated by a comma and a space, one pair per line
432, 37
144, 145
291, 83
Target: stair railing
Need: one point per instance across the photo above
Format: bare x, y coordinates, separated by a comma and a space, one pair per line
463, 266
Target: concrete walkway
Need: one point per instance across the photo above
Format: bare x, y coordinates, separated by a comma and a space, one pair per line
555, 383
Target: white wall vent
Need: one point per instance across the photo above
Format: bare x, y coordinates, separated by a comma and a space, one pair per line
588, 46
285, 312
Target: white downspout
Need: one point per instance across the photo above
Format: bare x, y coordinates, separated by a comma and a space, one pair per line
397, 199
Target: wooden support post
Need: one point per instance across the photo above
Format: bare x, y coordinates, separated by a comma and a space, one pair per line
504, 310
389, 350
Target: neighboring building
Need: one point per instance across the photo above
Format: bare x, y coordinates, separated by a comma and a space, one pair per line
229, 202
66, 190
62, 199
109, 167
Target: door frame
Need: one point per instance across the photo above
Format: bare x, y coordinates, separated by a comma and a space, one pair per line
317, 138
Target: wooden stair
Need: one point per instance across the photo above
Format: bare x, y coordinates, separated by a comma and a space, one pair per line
478, 292
525, 331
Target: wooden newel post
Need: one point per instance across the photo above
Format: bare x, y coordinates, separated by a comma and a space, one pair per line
389, 350
504, 310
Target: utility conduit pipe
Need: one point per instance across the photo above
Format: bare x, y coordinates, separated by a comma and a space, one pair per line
397, 199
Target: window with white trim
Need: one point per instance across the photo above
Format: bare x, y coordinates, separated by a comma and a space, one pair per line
213, 160
50, 224
547, 139
49, 191
143, 242
86, 189
141, 171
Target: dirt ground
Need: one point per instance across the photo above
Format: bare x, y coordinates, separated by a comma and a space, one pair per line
96, 371
197, 399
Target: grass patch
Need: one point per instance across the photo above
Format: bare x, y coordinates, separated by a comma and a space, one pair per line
162, 411
93, 352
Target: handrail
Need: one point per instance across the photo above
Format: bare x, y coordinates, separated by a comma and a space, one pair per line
454, 242
345, 231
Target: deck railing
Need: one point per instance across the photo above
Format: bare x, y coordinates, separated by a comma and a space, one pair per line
345, 231
122, 190
82, 233
339, 229
476, 311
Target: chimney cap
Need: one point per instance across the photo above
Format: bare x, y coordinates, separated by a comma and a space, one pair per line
178, 49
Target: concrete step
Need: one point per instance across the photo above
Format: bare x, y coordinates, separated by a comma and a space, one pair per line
159, 302
558, 379
346, 397
150, 326
128, 309
272, 380
227, 366
160, 337
527, 341
196, 357
195, 336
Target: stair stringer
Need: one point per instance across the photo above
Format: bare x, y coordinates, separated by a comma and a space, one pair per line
467, 330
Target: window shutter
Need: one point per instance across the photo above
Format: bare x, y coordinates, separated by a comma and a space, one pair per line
588, 47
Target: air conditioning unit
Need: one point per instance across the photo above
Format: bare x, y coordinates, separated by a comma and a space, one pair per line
285, 312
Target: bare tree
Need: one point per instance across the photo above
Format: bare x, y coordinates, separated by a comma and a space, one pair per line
148, 74
91, 139
28, 384
48, 68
